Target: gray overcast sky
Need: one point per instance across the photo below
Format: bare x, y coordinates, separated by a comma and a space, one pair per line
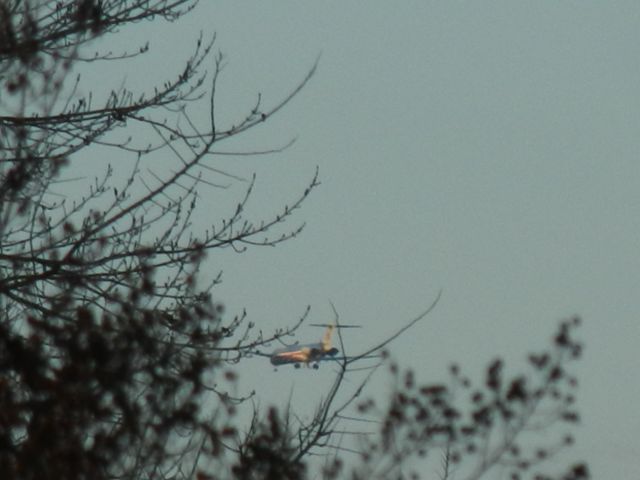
486, 148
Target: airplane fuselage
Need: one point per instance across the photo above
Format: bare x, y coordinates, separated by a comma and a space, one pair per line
297, 354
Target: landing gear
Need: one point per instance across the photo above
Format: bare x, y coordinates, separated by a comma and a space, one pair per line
316, 366
296, 365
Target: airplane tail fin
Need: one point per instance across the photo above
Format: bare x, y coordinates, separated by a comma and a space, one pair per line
326, 339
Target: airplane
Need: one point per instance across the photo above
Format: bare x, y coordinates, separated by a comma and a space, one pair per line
308, 354
313, 353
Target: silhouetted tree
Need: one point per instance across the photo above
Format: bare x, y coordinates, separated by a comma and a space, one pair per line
115, 362
108, 345
514, 423
509, 422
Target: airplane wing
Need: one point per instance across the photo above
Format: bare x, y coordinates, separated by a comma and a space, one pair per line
341, 361
333, 357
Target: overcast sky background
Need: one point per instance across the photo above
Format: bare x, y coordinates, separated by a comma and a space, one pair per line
486, 148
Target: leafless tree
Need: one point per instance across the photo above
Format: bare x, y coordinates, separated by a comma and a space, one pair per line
515, 424
108, 343
110, 346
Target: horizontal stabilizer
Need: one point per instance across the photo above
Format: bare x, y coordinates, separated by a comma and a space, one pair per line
333, 325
